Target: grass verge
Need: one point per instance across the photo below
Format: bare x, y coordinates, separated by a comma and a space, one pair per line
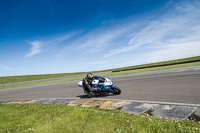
159, 63
110, 74
152, 69
62, 118
14, 79
40, 83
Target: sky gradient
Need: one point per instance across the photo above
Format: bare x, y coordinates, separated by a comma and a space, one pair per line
50, 36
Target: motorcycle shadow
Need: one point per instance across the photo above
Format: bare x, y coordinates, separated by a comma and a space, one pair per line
96, 96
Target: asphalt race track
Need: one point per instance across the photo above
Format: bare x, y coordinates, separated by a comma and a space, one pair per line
163, 86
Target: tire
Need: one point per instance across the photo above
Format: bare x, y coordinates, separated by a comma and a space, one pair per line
117, 90
91, 94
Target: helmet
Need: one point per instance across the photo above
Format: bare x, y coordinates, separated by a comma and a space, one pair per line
89, 76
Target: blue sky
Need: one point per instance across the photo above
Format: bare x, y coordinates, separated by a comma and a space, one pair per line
51, 36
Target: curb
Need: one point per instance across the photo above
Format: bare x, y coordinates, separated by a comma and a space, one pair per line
156, 109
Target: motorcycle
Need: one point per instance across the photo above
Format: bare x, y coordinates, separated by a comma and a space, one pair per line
102, 87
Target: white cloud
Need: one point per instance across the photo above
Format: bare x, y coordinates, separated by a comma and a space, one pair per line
180, 25
106, 37
175, 51
98, 39
166, 52
50, 43
124, 49
35, 49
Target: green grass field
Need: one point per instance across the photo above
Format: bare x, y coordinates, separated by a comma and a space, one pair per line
15, 118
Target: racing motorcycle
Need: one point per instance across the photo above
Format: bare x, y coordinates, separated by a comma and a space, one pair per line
102, 87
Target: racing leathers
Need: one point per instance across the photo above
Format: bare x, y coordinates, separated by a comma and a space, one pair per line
87, 83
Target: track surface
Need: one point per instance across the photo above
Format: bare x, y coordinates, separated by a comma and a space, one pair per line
177, 87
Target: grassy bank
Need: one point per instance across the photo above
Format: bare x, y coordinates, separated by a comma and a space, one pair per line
153, 69
46, 82
159, 63
110, 74
62, 118
14, 79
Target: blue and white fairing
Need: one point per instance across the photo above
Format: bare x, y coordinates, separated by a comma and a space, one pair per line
105, 86
108, 84
80, 83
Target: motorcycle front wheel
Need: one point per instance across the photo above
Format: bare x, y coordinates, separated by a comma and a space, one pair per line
117, 90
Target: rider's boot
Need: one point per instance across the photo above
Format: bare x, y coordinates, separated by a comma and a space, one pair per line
91, 94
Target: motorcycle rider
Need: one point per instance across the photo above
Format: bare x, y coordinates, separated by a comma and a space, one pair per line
87, 82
